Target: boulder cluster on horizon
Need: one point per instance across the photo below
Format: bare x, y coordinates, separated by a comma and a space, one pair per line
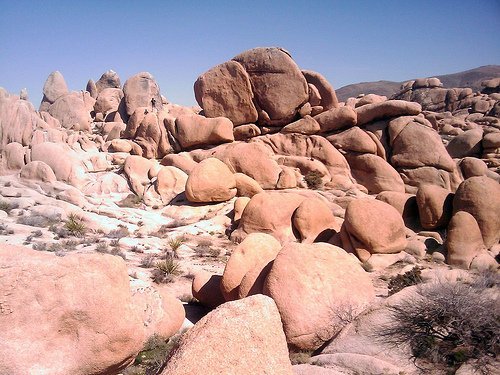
282, 211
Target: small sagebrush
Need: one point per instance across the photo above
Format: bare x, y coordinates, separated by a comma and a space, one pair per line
75, 225
166, 270
314, 180
399, 282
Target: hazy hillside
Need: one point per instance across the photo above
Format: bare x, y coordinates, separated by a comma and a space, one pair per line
470, 78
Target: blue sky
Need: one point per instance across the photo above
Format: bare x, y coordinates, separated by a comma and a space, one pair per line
347, 41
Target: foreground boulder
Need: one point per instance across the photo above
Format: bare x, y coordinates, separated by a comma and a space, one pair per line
239, 337
315, 288
79, 308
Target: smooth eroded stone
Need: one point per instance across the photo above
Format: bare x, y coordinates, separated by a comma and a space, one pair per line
244, 132
39, 171
373, 227
109, 79
305, 125
170, 182
480, 196
195, 130
336, 118
210, 181
464, 240
206, 289
325, 89
225, 91
54, 87
250, 261
374, 173
354, 139
314, 221
78, 307
435, 206
415, 144
246, 186
269, 212
314, 286
139, 90
389, 108
71, 112
466, 144
249, 340
277, 83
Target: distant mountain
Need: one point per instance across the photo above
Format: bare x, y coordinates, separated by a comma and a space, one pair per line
470, 78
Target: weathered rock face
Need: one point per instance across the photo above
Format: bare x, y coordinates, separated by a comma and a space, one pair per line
464, 240
277, 82
250, 340
206, 289
108, 100
248, 265
63, 161
372, 227
480, 196
271, 213
435, 205
71, 111
210, 181
139, 90
38, 170
136, 169
253, 159
86, 319
54, 87
170, 182
109, 79
466, 144
195, 130
390, 108
374, 173
225, 91
18, 120
314, 287
308, 148
327, 96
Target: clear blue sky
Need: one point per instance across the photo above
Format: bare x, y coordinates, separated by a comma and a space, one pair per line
347, 41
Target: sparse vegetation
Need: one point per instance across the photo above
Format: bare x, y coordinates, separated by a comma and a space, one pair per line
299, 357
130, 201
399, 282
166, 270
4, 230
34, 221
118, 233
313, 180
75, 225
148, 261
7, 206
448, 324
175, 243
153, 356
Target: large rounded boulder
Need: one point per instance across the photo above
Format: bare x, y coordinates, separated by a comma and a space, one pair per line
316, 288
239, 337
210, 181
278, 84
248, 265
372, 227
74, 314
480, 196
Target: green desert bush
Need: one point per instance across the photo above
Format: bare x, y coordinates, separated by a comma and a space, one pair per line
7, 206
447, 324
165, 270
75, 225
313, 180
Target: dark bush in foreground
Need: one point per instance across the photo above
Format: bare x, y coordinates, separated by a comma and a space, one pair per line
313, 180
448, 324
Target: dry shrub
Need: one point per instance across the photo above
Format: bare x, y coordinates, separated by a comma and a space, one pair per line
447, 324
